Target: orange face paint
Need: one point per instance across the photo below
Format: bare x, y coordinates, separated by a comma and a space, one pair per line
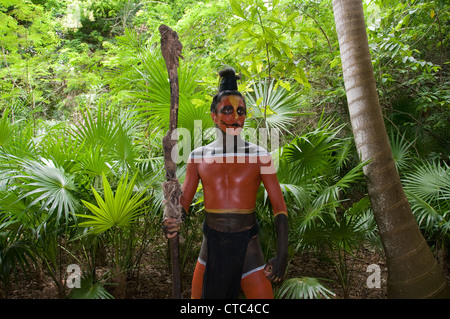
235, 101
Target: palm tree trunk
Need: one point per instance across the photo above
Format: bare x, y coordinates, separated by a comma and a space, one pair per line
413, 272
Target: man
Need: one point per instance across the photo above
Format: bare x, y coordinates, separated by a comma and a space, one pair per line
231, 171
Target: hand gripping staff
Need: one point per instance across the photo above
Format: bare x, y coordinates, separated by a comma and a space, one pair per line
171, 51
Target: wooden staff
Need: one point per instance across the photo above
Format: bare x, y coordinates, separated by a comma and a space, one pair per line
171, 51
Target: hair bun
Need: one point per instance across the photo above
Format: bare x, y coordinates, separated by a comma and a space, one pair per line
229, 79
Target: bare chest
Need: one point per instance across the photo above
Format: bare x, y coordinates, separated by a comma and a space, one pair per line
233, 172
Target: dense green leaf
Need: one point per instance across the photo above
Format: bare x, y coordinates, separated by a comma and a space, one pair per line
303, 288
118, 209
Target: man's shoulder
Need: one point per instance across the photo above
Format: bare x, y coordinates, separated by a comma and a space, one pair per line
202, 151
255, 150
246, 148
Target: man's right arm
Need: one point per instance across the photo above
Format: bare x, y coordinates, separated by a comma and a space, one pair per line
190, 185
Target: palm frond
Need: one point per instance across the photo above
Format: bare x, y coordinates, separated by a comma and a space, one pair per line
426, 215
118, 209
6, 129
90, 289
314, 153
298, 194
428, 190
50, 187
430, 182
332, 193
22, 143
12, 207
303, 288
277, 106
311, 219
400, 150
54, 141
15, 251
99, 131
125, 151
94, 162
153, 95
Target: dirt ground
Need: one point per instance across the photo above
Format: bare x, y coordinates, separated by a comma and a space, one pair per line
154, 278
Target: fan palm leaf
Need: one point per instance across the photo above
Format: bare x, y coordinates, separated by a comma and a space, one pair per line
332, 192
314, 153
348, 230
125, 151
59, 145
15, 250
276, 106
400, 150
430, 181
115, 210
99, 131
50, 187
6, 129
427, 216
13, 207
94, 162
303, 288
428, 189
22, 143
154, 95
90, 289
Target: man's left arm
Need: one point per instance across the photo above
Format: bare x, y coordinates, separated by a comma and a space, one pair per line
276, 267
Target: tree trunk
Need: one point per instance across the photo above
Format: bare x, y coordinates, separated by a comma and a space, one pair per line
413, 272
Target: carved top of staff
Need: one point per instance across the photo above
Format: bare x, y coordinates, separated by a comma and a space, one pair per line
170, 46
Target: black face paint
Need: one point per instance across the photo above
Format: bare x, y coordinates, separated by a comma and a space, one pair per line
229, 109
234, 125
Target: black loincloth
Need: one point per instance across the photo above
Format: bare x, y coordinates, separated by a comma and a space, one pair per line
225, 261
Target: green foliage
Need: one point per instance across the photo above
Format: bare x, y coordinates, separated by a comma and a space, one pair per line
204, 27
318, 181
45, 177
153, 95
268, 29
90, 290
401, 150
428, 189
15, 250
274, 107
49, 186
6, 129
303, 288
99, 132
84, 99
408, 42
115, 210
